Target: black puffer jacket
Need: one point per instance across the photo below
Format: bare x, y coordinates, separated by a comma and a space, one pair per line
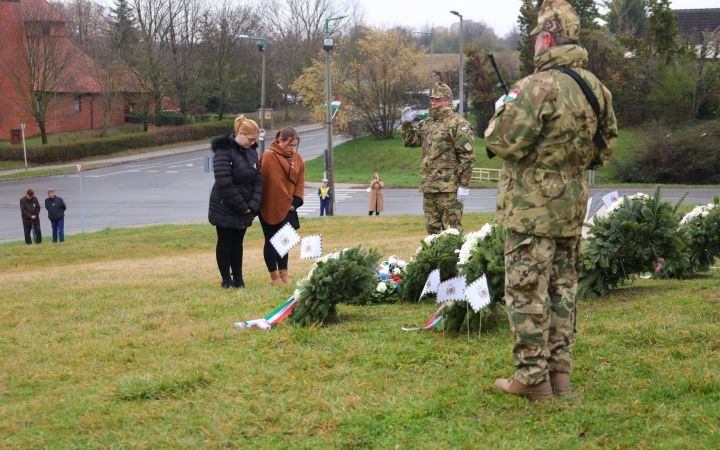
237, 184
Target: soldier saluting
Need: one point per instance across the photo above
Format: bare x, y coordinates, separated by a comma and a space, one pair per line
448, 158
553, 126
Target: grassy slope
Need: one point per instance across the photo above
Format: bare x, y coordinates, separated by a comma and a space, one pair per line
90, 328
357, 160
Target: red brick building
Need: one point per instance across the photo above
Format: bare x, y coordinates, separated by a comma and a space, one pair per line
76, 102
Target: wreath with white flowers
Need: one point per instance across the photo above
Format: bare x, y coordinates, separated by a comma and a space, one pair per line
702, 224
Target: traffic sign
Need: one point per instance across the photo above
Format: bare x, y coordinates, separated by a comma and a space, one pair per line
78, 167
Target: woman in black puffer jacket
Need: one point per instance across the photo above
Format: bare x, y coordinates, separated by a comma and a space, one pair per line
235, 196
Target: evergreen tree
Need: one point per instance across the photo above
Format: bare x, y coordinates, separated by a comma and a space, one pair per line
626, 17
587, 12
122, 26
527, 21
662, 31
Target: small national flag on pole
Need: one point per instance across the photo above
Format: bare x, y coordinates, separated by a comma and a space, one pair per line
336, 104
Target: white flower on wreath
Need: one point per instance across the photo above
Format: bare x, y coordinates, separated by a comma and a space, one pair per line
402, 264
451, 231
485, 231
697, 212
397, 271
326, 258
429, 240
381, 287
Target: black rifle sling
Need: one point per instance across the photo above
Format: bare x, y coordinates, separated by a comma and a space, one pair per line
597, 138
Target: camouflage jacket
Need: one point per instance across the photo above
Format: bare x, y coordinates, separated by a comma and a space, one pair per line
544, 133
448, 153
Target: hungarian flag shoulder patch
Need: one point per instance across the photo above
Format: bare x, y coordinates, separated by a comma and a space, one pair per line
464, 128
513, 95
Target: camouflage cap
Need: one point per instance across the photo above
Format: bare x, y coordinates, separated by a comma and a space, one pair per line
442, 91
559, 18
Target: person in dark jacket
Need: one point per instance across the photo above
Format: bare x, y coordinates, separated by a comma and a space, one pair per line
235, 196
56, 213
30, 212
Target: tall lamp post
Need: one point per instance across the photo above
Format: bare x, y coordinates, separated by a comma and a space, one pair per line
261, 49
327, 46
432, 39
461, 106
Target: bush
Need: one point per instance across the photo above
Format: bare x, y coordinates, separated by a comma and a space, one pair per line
436, 252
689, 156
78, 150
629, 240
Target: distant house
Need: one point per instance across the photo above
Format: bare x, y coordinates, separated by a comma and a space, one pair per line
692, 22
77, 101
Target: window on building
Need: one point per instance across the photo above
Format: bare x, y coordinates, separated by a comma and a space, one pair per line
77, 103
45, 27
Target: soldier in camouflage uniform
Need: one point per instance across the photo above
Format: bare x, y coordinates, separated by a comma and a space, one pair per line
544, 132
448, 158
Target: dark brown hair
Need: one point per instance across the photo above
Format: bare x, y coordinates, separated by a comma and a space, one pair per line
287, 134
31, 193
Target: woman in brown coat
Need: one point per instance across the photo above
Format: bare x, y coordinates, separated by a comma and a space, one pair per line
377, 203
283, 191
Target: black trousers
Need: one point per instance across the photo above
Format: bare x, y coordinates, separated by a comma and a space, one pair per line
33, 230
273, 261
229, 252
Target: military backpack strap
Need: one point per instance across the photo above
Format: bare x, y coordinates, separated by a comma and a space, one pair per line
597, 138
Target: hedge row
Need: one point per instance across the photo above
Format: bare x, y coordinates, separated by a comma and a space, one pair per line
78, 150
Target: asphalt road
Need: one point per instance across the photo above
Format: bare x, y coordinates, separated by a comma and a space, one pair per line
175, 189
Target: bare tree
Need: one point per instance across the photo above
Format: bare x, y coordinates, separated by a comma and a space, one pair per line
184, 36
87, 24
40, 67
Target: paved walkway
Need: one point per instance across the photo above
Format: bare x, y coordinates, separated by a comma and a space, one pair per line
147, 155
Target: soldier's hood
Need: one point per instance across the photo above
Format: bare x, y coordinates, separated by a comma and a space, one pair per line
440, 112
572, 56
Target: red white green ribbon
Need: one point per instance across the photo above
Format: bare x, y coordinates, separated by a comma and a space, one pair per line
434, 320
273, 318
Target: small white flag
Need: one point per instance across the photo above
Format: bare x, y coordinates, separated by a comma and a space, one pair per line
285, 239
432, 283
311, 247
451, 290
611, 198
478, 294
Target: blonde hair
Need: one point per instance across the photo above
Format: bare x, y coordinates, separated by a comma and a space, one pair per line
246, 126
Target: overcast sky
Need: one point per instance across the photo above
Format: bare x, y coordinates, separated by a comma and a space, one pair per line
500, 14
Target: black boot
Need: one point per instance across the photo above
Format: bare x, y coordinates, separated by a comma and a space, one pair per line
238, 283
227, 284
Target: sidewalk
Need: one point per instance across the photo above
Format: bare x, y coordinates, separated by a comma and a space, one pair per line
147, 155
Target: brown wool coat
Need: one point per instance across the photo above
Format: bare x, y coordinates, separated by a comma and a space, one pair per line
377, 203
279, 183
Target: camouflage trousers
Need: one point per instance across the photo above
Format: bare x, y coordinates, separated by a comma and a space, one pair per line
541, 277
442, 211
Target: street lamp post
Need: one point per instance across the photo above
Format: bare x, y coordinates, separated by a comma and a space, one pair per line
261, 49
461, 107
432, 39
327, 46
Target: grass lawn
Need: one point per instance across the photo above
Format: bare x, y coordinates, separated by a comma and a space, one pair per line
357, 160
123, 338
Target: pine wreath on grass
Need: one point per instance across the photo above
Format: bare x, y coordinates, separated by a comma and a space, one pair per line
630, 239
703, 226
436, 251
482, 253
344, 277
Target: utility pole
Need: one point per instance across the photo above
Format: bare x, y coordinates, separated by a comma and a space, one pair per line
261, 49
327, 46
461, 106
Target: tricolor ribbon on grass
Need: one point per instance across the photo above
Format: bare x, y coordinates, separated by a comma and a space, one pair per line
434, 320
273, 318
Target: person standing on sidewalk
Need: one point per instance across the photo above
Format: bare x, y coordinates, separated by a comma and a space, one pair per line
377, 202
56, 207
324, 192
30, 212
283, 191
554, 125
235, 196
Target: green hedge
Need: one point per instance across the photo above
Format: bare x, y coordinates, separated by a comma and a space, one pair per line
78, 150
